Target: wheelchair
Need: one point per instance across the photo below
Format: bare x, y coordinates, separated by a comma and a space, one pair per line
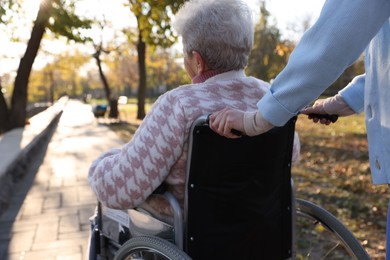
239, 204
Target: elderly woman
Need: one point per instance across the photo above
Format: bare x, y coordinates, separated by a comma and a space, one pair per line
217, 38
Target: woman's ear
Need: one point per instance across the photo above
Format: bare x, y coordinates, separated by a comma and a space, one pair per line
201, 66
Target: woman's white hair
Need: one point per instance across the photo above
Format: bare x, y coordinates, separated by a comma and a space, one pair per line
220, 30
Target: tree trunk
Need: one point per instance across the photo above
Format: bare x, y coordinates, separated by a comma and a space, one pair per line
3, 112
51, 88
113, 103
114, 112
102, 76
18, 113
141, 48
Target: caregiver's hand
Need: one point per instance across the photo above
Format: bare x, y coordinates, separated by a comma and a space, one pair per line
229, 121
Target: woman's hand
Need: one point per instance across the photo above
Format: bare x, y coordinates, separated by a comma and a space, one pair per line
233, 123
223, 121
332, 106
316, 109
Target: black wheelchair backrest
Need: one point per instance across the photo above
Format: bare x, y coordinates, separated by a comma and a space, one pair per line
238, 194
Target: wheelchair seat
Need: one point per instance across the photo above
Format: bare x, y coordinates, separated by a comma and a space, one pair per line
238, 194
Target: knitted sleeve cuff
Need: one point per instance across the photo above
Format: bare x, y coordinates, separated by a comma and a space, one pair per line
255, 124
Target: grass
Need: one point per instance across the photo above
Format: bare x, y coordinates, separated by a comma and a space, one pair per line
333, 172
127, 124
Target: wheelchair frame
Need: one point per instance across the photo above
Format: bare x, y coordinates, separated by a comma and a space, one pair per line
168, 240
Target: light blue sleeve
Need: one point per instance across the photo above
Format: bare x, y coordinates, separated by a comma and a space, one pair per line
334, 42
353, 93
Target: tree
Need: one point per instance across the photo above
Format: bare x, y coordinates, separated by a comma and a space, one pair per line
60, 76
96, 56
64, 22
6, 7
153, 29
3, 108
99, 50
270, 54
164, 73
123, 72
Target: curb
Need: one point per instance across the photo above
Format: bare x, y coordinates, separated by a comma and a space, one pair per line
22, 152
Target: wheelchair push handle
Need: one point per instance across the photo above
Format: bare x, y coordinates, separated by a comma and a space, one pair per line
234, 131
333, 118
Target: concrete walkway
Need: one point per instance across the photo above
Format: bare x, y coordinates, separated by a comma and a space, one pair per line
48, 214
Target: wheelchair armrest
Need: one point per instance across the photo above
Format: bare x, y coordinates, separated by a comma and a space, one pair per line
177, 213
177, 219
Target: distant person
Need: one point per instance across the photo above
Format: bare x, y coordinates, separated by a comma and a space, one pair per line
342, 32
217, 39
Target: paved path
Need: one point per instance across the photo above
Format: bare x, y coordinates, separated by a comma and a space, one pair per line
48, 215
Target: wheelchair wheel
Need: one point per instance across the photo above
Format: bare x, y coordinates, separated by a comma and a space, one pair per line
150, 248
320, 235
